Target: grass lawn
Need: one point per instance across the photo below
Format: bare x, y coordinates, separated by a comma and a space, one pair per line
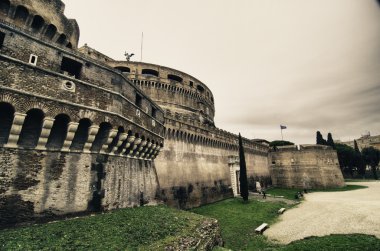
352, 242
289, 193
238, 221
145, 227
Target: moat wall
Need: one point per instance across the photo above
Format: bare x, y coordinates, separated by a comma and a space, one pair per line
311, 167
194, 174
39, 184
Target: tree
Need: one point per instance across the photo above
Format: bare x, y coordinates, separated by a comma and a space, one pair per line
371, 157
346, 157
330, 141
243, 172
280, 143
358, 161
320, 139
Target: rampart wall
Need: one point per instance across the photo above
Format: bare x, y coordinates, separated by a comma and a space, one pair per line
38, 185
44, 18
193, 167
310, 167
75, 135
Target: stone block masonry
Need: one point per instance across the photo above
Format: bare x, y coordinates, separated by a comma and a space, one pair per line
310, 167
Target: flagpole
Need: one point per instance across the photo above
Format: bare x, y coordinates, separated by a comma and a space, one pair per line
142, 44
282, 137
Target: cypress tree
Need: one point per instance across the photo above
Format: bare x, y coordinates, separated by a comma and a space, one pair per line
320, 140
330, 141
243, 172
359, 161
371, 157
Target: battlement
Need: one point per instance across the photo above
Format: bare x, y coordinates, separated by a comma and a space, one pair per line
171, 89
44, 19
305, 147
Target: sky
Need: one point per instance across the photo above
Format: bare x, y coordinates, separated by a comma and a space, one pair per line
307, 64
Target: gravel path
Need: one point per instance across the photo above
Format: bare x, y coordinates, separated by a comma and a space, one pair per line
326, 213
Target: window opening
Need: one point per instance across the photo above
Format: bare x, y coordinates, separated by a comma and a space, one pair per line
71, 67
33, 59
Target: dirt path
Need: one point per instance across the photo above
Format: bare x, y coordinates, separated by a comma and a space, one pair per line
326, 213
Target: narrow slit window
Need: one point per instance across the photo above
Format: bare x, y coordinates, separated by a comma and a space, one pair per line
138, 101
154, 112
2, 38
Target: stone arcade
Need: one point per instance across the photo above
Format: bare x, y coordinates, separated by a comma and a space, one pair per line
81, 132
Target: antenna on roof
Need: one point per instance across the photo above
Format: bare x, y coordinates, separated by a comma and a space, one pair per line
142, 44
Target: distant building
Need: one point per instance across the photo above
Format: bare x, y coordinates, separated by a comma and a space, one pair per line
364, 141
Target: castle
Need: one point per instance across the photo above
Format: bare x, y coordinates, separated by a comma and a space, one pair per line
81, 132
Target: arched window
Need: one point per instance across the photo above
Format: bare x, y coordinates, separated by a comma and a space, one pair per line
31, 130
81, 135
50, 31
149, 72
21, 14
38, 23
175, 78
101, 137
200, 88
58, 132
69, 45
61, 39
4, 6
123, 69
6, 119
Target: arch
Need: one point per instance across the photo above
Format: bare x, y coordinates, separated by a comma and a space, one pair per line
115, 140
50, 31
4, 6
101, 137
123, 69
38, 23
61, 39
58, 132
21, 14
175, 78
150, 72
200, 88
31, 129
81, 135
6, 120
69, 45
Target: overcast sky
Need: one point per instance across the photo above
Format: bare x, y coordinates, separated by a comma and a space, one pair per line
307, 64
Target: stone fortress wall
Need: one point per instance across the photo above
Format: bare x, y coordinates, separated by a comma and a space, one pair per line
193, 167
310, 166
81, 132
75, 134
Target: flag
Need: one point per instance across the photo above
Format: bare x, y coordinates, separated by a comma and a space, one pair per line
282, 127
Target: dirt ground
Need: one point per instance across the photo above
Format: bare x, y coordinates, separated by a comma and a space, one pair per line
326, 213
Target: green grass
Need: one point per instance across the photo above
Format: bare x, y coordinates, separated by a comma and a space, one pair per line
289, 193
238, 221
352, 242
126, 229
360, 180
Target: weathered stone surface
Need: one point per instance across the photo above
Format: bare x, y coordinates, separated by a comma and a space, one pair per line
205, 237
313, 166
